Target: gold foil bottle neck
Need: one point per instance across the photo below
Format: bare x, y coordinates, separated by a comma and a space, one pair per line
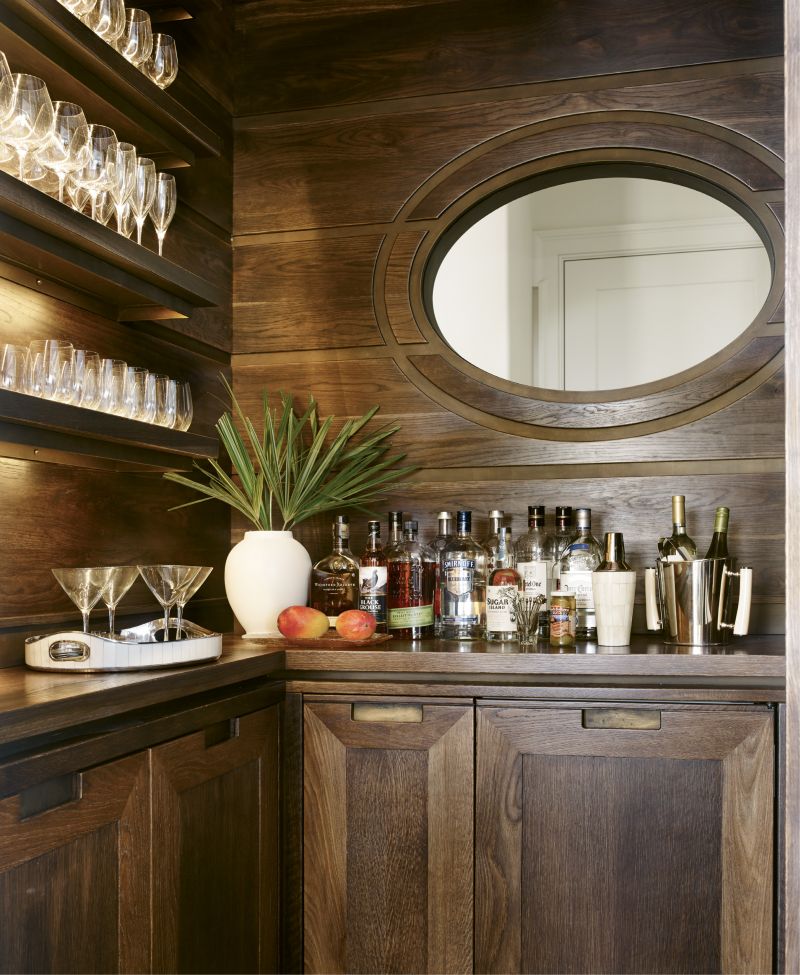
678, 509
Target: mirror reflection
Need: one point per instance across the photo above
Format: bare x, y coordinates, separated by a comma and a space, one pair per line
600, 284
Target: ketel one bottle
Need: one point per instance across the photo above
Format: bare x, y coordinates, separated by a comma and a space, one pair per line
463, 584
534, 557
437, 545
581, 557
372, 578
334, 579
504, 581
412, 573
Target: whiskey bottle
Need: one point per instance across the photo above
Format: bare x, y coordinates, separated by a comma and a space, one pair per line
334, 579
372, 578
412, 572
581, 557
534, 557
395, 531
445, 519
492, 541
463, 584
678, 547
718, 549
503, 581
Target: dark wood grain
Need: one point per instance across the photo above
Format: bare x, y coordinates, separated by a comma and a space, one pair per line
291, 820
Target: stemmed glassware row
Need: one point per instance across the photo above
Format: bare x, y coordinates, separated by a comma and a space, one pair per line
172, 585
53, 369
52, 147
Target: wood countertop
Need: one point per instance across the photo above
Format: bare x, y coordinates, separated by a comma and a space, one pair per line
33, 703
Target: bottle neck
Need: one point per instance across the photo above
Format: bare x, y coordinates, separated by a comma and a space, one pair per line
445, 527
373, 542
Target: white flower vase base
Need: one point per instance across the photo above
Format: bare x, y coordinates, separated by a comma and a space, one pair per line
264, 573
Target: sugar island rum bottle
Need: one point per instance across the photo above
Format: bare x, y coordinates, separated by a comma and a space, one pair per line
372, 578
504, 580
412, 574
463, 584
334, 579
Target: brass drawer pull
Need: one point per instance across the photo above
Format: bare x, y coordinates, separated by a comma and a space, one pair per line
408, 713
630, 718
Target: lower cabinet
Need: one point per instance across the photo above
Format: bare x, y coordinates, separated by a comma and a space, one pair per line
387, 859
165, 860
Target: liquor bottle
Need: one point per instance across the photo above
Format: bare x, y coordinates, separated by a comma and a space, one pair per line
492, 541
534, 557
445, 519
503, 580
581, 557
395, 532
412, 574
334, 579
463, 584
718, 549
561, 538
678, 547
372, 578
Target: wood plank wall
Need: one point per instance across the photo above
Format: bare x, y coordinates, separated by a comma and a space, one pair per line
54, 514
349, 115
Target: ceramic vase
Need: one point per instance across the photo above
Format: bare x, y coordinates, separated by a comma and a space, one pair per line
264, 573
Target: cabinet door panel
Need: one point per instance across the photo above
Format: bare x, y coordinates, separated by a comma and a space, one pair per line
388, 841
74, 894
215, 856
623, 850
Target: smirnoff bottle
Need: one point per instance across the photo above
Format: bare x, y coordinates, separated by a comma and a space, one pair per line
581, 557
463, 584
412, 573
534, 557
334, 579
501, 624
445, 519
492, 541
372, 577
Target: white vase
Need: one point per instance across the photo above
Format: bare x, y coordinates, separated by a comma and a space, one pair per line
265, 573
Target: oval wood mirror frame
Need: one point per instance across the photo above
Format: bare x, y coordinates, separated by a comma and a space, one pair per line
699, 155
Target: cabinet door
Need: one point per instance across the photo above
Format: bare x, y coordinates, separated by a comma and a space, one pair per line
624, 840
215, 848
74, 872
388, 795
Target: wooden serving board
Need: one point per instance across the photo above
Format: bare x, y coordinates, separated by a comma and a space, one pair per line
339, 643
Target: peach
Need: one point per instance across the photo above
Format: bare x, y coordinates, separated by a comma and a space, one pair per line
302, 621
355, 624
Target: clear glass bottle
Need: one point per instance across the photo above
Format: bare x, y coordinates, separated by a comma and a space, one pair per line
395, 538
579, 560
412, 575
718, 549
492, 540
334, 579
463, 584
501, 626
445, 520
372, 578
678, 547
534, 559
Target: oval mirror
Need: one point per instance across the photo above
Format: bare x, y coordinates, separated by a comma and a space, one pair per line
600, 283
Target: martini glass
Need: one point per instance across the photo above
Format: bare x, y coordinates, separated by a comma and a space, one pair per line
191, 587
84, 587
119, 579
165, 582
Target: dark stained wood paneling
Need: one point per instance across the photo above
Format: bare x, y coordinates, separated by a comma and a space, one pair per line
297, 55
398, 303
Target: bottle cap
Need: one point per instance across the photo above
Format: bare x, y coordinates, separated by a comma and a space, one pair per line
411, 526
564, 511
583, 517
464, 521
613, 554
678, 509
374, 527
445, 514
495, 513
721, 517
342, 520
395, 519
536, 511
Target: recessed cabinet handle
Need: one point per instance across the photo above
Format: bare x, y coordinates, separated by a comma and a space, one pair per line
622, 718
51, 794
222, 731
408, 713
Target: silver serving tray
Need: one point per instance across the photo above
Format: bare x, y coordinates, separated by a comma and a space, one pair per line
136, 648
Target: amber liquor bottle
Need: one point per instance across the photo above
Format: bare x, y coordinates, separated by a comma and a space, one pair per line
334, 579
412, 573
372, 578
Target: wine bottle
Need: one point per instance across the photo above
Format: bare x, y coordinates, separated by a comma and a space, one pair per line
718, 549
678, 547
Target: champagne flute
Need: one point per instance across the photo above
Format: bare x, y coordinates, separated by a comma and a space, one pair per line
119, 579
84, 587
187, 591
165, 582
122, 160
144, 191
163, 209
162, 65
67, 149
29, 118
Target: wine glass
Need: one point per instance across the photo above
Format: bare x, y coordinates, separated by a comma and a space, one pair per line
122, 161
163, 209
162, 65
165, 582
97, 173
183, 405
29, 116
186, 593
144, 190
6, 152
84, 587
107, 19
135, 43
67, 149
81, 8
118, 580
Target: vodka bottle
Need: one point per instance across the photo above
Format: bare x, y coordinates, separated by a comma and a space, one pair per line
463, 584
445, 519
372, 577
581, 557
501, 626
